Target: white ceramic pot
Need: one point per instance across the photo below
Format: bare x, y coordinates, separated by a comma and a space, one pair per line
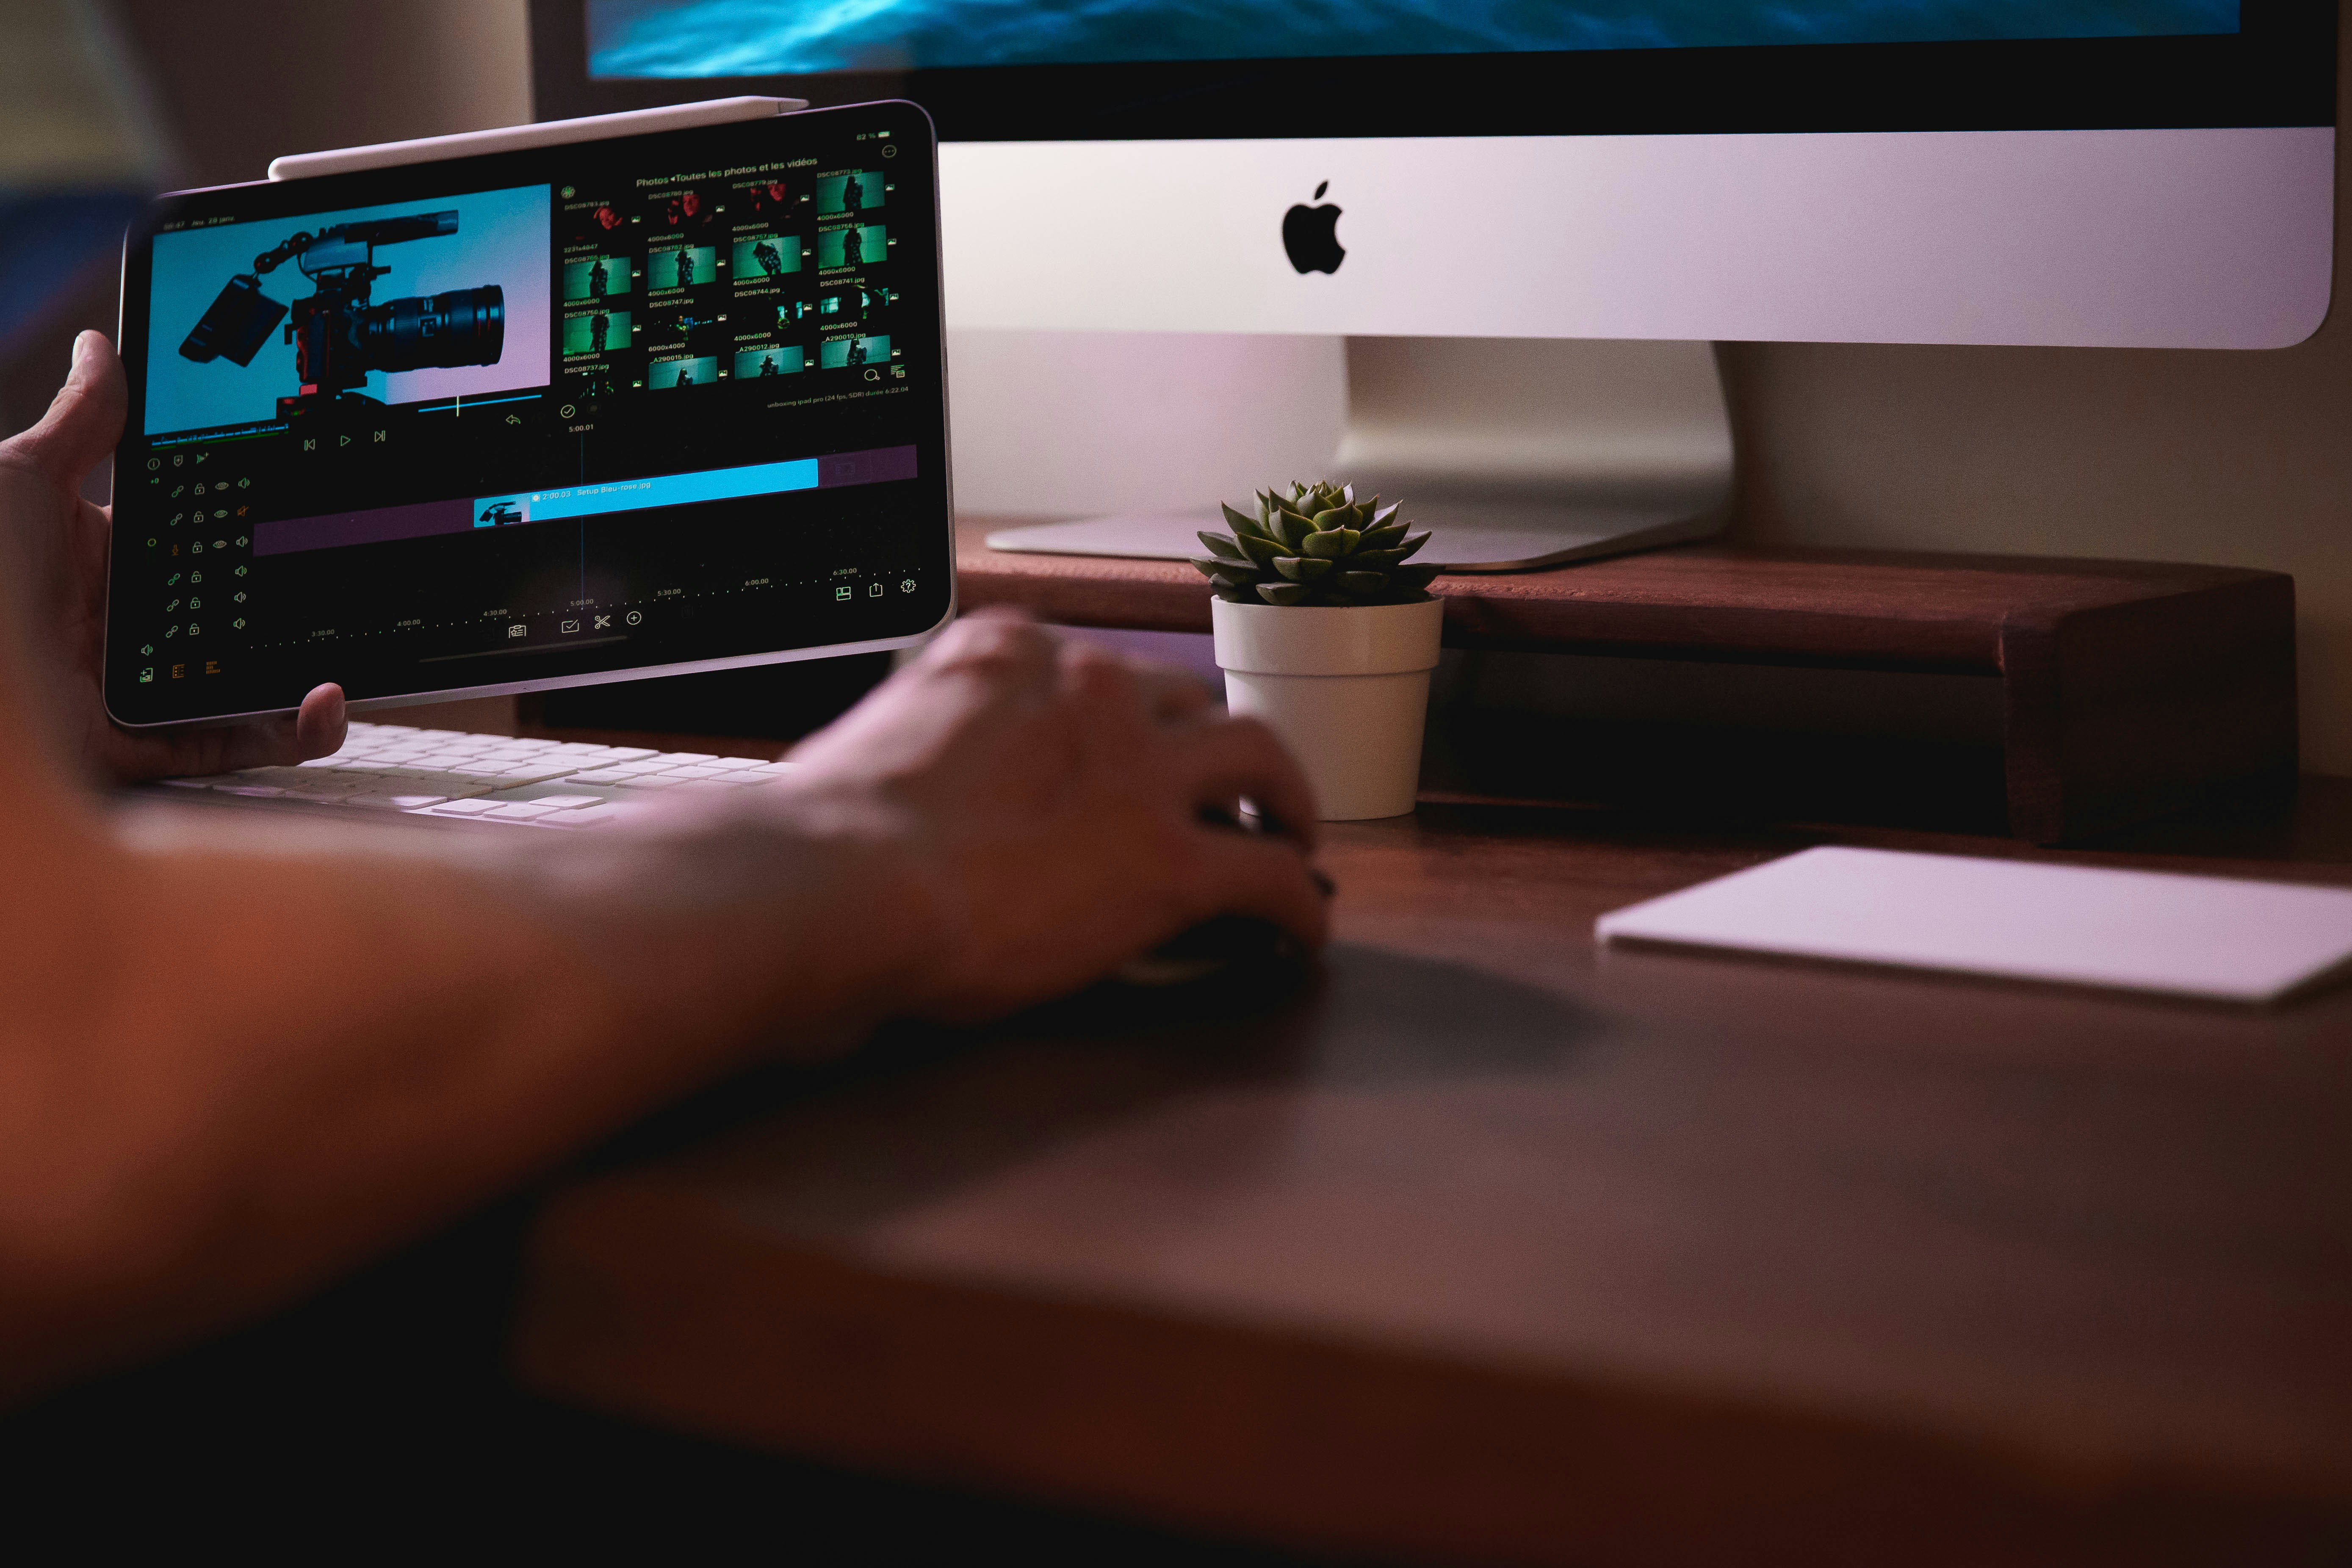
1345, 688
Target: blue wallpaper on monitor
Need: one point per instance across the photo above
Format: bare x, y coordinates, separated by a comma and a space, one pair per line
770, 38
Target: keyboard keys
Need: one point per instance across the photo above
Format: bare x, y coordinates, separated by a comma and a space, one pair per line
447, 772
587, 816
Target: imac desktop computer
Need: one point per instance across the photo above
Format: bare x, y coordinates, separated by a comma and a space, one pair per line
1532, 220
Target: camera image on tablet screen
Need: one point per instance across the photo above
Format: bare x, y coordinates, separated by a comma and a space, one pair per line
851, 353
854, 245
682, 268
393, 304
595, 332
595, 277
751, 363
853, 301
853, 192
765, 257
700, 371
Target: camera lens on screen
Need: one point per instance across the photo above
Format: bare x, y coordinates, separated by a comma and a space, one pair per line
463, 326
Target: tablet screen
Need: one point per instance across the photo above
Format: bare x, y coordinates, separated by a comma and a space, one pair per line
533, 419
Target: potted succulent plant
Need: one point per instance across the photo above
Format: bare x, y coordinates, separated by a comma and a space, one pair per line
1326, 632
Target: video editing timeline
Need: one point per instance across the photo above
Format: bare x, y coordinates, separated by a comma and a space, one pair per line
435, 444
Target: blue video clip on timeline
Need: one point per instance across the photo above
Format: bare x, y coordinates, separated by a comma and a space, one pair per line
631, 495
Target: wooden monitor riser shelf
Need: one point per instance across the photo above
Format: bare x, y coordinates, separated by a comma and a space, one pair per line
2129, 690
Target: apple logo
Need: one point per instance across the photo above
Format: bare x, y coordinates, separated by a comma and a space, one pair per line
1310, 235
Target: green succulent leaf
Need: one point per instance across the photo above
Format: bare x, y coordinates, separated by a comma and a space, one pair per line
1224, 574
1260, 549
1316, 543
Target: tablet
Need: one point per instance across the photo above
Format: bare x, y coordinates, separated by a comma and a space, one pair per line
537, 419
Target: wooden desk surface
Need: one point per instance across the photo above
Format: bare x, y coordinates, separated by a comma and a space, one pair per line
1488, 1245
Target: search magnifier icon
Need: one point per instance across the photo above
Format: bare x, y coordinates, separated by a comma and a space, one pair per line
872, 375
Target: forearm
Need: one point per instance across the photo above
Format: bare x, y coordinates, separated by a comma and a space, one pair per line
388, 1038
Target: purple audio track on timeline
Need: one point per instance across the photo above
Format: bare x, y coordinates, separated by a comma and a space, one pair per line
379, 525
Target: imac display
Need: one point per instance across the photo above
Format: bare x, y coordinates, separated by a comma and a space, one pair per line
693, 38
1424, 178
2121, 173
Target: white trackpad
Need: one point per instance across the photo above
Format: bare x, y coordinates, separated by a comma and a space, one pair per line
2145, 931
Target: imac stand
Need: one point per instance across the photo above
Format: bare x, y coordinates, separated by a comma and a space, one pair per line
1514, 452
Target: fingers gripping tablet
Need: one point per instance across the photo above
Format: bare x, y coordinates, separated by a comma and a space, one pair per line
533, 419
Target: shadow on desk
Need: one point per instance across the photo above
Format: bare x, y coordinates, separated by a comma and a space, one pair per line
380, 1418
382, 1413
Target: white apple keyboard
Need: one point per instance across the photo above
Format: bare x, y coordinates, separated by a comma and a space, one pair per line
487, 778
